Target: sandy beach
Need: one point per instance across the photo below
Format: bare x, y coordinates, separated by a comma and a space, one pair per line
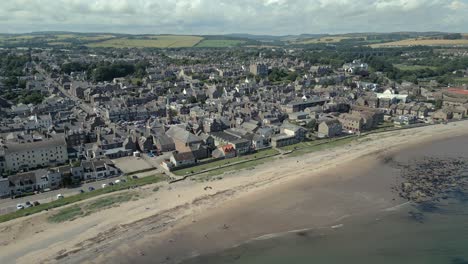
185, 219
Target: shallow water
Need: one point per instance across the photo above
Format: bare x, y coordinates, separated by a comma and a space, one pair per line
413, 233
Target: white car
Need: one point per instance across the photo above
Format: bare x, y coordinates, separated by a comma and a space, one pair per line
60, 196
104, 185
19, 207
117, 181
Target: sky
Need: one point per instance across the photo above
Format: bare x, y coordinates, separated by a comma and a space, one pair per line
273, 17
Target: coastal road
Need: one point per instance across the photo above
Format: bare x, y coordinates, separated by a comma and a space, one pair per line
8, 205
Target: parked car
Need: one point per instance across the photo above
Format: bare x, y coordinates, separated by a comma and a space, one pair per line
134, 177
123, 180
27, 204
82, 191
91, 188
60, 196
36, 203
111, 183
117, 181
104, 185
19, 207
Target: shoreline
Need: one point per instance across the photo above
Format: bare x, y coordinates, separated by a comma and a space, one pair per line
177, 206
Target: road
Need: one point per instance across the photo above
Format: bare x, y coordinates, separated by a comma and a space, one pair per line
8, 205
84, 106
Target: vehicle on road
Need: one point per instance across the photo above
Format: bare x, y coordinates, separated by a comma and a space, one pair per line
36, 203
60, 196
134, 177
91, 188
111, 183
117, 181
19, 207
104, 185
82, 191
27, 204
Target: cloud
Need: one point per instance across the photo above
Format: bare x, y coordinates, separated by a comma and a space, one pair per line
229, 16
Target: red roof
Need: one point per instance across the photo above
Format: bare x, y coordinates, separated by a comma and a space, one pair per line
458, 91
228, 148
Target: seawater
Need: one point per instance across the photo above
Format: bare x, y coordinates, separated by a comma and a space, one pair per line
433, 232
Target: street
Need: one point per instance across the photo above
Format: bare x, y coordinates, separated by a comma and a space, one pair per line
8, 205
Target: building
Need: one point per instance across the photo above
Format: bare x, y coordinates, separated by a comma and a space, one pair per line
99, 169
183, 159
35, 153
329, 128
259, 69
281, 140
351, 123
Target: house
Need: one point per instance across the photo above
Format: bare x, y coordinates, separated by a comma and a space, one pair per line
182, 159
351, 122
226, 151
183, 140
281, 140
99, 169
405, 120
164, 143
293, 130
329, 128
23, 182
442, 114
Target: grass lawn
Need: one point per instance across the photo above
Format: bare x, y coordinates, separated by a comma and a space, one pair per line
245, 165
80, 197
405, 67
223, 162
320, 145
66, 214
75, 211
150, 42
221, 43
462, 80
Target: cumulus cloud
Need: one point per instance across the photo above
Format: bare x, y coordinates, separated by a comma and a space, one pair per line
234, 16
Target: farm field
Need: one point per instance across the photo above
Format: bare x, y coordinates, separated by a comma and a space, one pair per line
150, 42
221, 43
331, 39
423, 42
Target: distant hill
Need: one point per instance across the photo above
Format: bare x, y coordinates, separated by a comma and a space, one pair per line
63, 39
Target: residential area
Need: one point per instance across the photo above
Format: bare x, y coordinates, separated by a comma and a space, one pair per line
70, 117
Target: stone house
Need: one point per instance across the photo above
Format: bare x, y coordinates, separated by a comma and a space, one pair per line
329, 128
351, 123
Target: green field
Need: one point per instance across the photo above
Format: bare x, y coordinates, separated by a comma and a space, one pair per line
405, 67
149, 42
225, 162
463, 80
75, 211
219, 43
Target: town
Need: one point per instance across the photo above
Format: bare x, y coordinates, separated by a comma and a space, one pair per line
70, 117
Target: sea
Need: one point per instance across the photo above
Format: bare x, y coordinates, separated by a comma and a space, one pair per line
430, 232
